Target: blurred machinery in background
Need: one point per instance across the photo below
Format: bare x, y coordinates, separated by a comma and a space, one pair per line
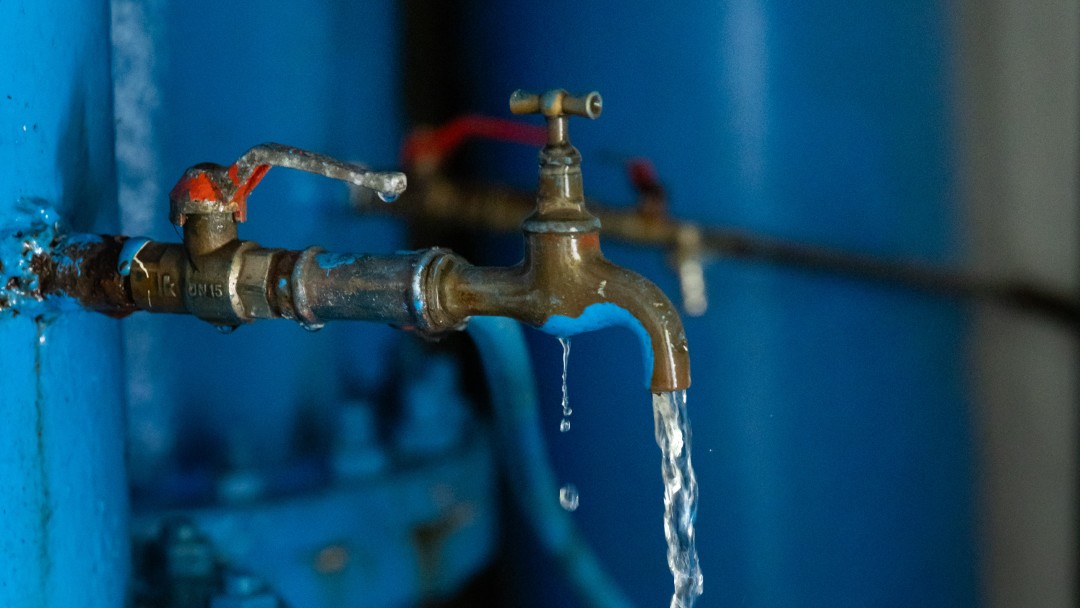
904, 440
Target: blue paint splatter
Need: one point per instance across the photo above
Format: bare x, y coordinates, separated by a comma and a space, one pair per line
36, 227
82, 239
131, 248
329, 261
600, 316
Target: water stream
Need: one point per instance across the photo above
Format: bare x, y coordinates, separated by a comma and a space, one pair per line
680, 486
680, 495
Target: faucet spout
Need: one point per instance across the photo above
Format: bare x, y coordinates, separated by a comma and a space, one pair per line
564, 286
630, 300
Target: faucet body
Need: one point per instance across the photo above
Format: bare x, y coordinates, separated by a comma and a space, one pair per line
561, 279
563, 285
564, 276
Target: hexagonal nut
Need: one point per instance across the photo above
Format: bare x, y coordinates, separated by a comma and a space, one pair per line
251, 284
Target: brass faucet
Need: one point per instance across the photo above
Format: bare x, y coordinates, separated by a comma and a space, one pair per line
563, 285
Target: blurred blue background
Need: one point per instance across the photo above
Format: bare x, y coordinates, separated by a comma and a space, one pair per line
838, 437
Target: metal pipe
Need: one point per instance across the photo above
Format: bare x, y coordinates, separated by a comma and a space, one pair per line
241, 283
488, 207
563, 285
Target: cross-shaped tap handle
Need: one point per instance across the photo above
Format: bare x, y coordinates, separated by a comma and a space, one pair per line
556, 102
556, 105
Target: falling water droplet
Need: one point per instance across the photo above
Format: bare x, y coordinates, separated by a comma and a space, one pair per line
387, 197
566, 411
226, 329
568, 497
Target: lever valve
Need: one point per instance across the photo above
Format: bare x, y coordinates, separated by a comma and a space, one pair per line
210, 188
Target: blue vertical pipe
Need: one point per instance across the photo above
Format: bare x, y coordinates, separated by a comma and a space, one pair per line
62, 486
830, 417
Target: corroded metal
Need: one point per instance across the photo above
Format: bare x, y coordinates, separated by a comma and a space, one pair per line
42, 270
85, 271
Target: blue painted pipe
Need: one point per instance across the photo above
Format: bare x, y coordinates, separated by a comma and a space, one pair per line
63, 493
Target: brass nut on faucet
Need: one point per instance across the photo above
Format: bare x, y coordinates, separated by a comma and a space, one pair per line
251, 283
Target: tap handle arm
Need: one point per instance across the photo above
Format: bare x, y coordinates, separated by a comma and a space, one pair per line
556, 105
210, 188
250, 168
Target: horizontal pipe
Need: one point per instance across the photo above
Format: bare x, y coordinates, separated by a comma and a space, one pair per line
237, 283
381, 288
82, 269
500, 209
564, 286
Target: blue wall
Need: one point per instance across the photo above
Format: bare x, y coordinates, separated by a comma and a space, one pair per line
63, 498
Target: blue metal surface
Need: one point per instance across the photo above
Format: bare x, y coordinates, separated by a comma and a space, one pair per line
831, 431
397, 538
62, 485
